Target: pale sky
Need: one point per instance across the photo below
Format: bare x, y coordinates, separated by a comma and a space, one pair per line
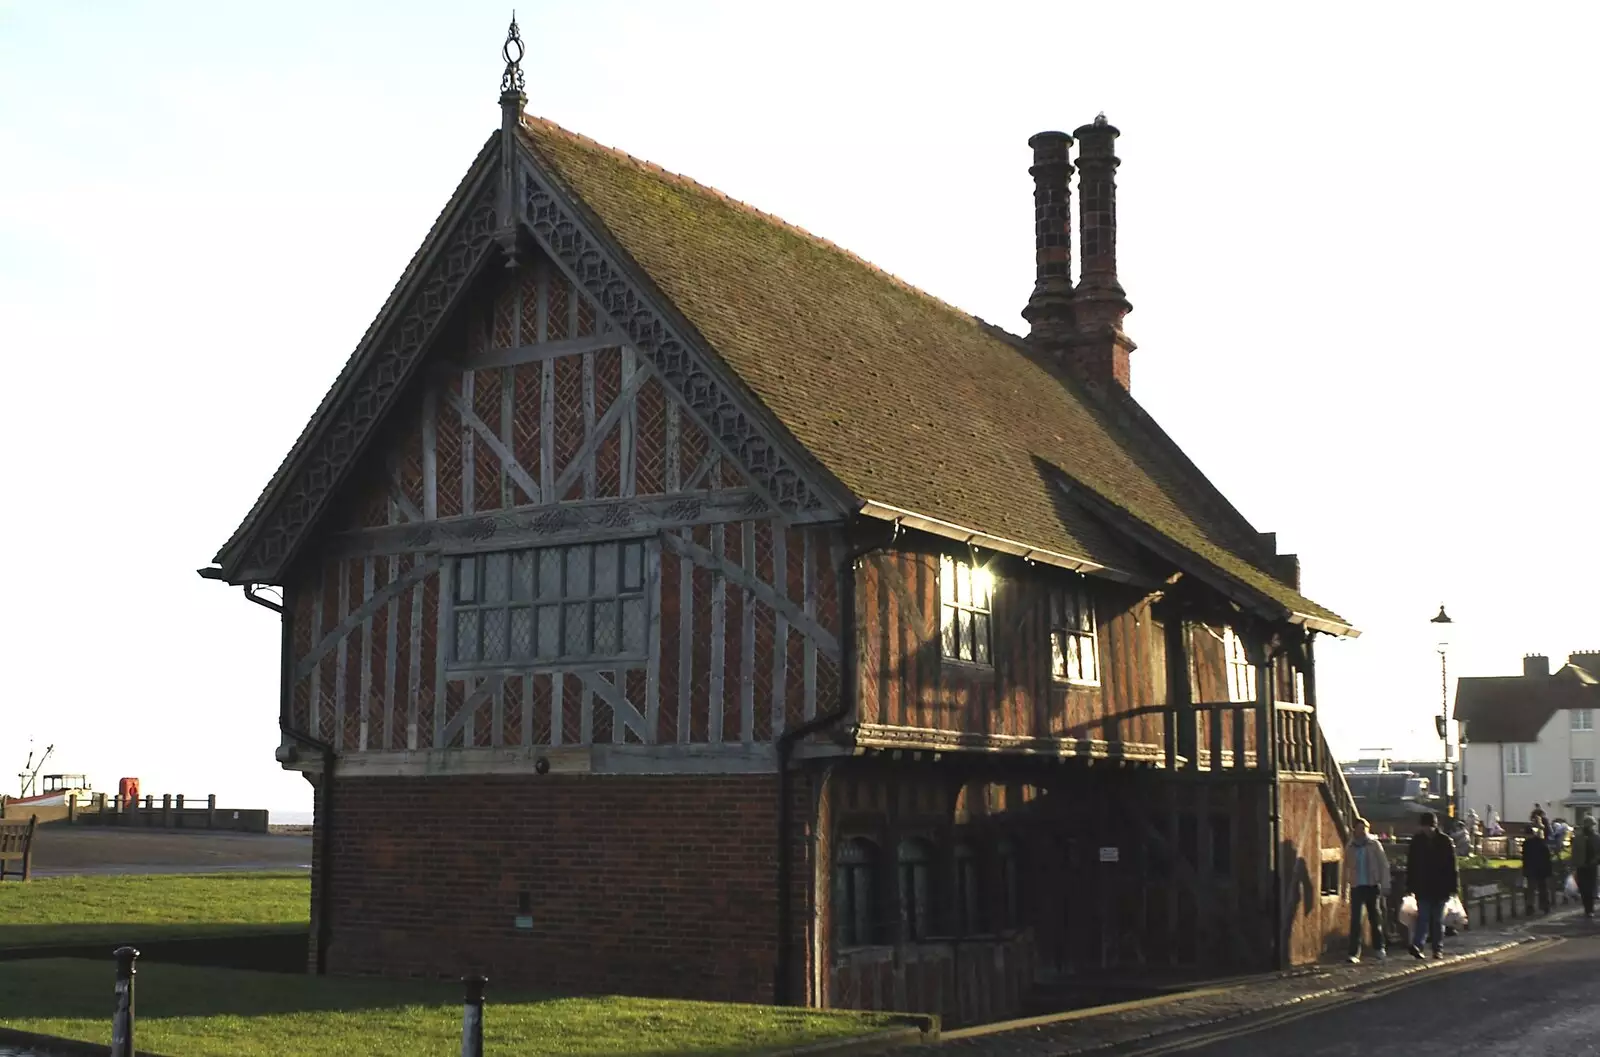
1358, 238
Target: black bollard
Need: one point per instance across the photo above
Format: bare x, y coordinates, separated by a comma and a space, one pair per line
472, 1017
122, 1019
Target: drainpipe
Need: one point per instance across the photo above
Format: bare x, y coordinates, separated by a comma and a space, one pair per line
329, 754
1270, 696
787, 741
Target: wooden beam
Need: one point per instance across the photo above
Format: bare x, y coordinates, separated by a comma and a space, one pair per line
562, 523
583, 461
625, 428
402, 502
391, 659
747, 641
685, 646
508, 462
444, 644
549, 350
368, 582
483, 692
623, 712
547, 425
652, 690
591, 437
414, 658
430, 455
780, 629
469, 469
802, 621
719, 637
733, 758
809, 578
349, 622
673, 475
697, 478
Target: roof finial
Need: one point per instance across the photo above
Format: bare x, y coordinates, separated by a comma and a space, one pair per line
511, 81
1099, 119
512, 100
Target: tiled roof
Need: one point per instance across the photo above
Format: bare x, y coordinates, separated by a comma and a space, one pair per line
907, 401
1515, 708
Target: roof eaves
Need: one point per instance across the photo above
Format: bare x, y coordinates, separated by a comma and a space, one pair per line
1197, 565
963, 534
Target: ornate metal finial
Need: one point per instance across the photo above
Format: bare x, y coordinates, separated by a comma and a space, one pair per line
1099, 119
512, 52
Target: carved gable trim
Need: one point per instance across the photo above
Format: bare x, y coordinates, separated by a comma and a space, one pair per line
380, 368
684, 363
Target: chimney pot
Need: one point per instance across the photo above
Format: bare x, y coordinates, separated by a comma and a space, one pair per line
1099, 303
1049, 310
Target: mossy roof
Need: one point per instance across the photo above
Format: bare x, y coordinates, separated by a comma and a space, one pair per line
905, 400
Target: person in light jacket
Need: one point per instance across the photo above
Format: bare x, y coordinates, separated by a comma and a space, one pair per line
1366, 870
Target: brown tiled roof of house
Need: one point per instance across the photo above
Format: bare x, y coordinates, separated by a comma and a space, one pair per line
1515, 708
907, 401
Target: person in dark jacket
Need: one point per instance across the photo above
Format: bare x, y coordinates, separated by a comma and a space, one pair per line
1431, 876
1585, 862
1536, 869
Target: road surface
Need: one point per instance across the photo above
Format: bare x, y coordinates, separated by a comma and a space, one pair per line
1538, 1005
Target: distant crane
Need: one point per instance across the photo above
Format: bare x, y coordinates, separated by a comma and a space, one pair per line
30, 778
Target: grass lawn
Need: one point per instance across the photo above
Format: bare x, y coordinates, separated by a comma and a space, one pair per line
144, 908
196, 1012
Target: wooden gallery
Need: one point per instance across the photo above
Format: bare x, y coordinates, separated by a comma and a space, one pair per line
676, 604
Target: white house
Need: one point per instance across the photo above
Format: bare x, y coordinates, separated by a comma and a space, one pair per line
1530, 739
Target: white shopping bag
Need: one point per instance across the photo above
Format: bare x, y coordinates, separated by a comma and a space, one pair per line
1455, 915
1572, 886
1408, 911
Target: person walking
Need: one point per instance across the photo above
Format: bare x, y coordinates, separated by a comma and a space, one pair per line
1431, 876
1536, 869
1585, 861
1366, 868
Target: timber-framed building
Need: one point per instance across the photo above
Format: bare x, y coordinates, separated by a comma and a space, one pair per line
650, 624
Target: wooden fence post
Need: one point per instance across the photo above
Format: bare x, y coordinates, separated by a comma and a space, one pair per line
472, 1017
122, 1019
211, 811
166, 810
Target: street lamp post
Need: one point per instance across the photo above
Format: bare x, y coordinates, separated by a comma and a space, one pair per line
1451, 792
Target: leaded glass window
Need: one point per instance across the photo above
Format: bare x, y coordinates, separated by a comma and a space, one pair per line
1073, 636
966, 610
551, 605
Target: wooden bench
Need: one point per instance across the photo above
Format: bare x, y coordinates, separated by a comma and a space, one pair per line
16, 847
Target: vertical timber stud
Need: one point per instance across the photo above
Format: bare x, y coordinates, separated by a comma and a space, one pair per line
472, 1016
122, 1017
1182, 732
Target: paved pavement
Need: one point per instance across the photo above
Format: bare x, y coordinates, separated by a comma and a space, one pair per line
1144, 1026
60, 850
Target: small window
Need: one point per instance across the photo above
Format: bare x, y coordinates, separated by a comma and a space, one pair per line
1241, 673
855, 917
552, 604
1073, 656
1010, 882
1330, 878
1582, 773
1516, 758
969, 891
965, 611
915, 860
1583, 719
1221, 844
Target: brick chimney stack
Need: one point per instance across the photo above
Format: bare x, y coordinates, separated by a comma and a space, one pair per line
1100, 349
1049, 310
1535, 665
